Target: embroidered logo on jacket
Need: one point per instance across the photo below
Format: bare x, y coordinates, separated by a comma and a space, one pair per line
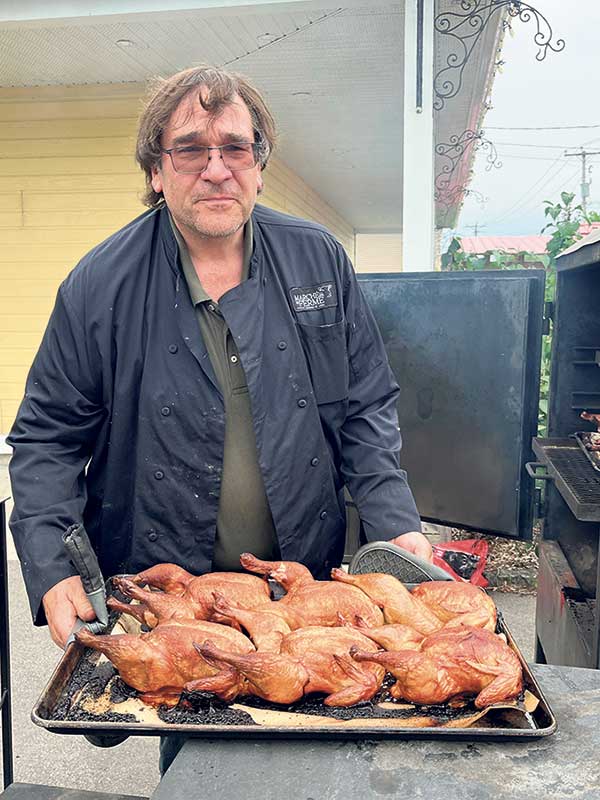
313, 298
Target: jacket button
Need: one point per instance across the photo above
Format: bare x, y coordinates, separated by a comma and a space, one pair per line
165, 411
302, 403
323, 515
152, 535
314, 462
198, 538
173, 348
282, 345
159, 474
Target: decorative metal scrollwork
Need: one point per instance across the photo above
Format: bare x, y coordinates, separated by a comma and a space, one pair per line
456, 196
464, 30
449, 189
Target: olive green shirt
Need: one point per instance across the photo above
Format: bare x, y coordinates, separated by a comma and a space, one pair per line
244, 521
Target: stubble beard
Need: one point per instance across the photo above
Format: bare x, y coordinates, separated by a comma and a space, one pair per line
219, 228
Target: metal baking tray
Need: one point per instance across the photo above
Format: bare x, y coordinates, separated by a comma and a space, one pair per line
593, 456
63, 709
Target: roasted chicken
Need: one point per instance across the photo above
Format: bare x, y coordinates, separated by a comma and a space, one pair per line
394, 636
159, 663
398, 605
175, 580
265, 628
272, 676
196, 600
325, 652
457, 603
320, 637
313, 659
452, 662
311, 602
592, 439
430, 606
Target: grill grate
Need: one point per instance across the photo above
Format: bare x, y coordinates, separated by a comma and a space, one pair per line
576, 470
574, 476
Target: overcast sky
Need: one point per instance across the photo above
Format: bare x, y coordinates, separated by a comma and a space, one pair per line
562, 90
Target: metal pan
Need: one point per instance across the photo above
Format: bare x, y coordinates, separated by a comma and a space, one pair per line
593, 456
62, 709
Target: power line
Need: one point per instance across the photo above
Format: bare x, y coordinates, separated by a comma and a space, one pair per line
541, 128
540, 146
535, 187
532, 203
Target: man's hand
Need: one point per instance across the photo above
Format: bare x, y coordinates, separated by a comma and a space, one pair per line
63, 603
416, 543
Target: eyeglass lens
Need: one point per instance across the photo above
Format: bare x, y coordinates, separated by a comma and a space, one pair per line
195, 158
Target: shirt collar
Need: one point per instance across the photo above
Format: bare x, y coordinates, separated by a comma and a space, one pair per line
197, 292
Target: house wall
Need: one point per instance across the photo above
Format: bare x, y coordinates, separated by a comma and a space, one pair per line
67, 181
382, 252
378, 252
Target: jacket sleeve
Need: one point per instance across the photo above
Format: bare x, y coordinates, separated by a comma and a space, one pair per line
370, 435
52, 440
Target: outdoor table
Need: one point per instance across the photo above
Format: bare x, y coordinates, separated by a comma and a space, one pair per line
565, 764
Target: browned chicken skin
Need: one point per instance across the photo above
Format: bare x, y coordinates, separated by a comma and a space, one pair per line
160, 662
197, 600
453, 662
157, 607
175, 580
313, 659
265, 628
325, 654
394, 636
430, 606
304, 641
290, 574
272, 676
398, 605
458, 603
313, 602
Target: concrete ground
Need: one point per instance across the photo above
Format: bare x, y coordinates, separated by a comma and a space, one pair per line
132, 767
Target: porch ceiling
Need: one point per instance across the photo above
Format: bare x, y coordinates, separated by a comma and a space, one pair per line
332, 76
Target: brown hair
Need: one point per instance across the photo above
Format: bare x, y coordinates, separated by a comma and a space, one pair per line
164, 96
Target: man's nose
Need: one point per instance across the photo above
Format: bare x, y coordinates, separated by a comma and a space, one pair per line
215, 170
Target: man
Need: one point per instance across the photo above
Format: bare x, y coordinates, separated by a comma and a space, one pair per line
210, 379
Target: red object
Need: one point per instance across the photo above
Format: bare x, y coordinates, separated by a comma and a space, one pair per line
465, 560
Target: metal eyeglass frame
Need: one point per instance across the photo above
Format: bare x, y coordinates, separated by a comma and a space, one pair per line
255, 151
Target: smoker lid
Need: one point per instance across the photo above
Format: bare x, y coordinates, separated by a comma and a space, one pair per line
584, 252
465, 348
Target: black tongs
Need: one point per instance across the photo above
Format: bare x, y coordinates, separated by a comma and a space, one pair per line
83, 557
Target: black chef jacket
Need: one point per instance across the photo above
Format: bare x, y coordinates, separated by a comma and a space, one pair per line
122, 424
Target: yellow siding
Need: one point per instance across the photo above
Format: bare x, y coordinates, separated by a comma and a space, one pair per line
68, 180
378, 252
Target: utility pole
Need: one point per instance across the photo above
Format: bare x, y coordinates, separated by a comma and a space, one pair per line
585, 184
475, 227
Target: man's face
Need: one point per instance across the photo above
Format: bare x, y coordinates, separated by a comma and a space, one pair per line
217, 202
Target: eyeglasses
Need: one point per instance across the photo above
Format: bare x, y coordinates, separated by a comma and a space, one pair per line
194, 158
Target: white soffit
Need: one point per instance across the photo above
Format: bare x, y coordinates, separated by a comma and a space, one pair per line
333, 77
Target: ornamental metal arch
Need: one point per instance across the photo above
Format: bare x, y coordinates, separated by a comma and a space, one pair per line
464, 30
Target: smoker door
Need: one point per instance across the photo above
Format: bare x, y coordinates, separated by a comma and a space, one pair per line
465, 348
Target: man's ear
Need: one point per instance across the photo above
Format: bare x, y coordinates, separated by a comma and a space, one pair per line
156, 181
260, 183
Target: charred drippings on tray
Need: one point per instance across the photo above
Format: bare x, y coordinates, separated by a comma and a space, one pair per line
201, 709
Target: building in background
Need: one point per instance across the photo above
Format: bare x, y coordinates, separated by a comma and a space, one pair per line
368, 146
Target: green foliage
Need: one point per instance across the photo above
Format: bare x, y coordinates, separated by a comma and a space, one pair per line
565, 219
